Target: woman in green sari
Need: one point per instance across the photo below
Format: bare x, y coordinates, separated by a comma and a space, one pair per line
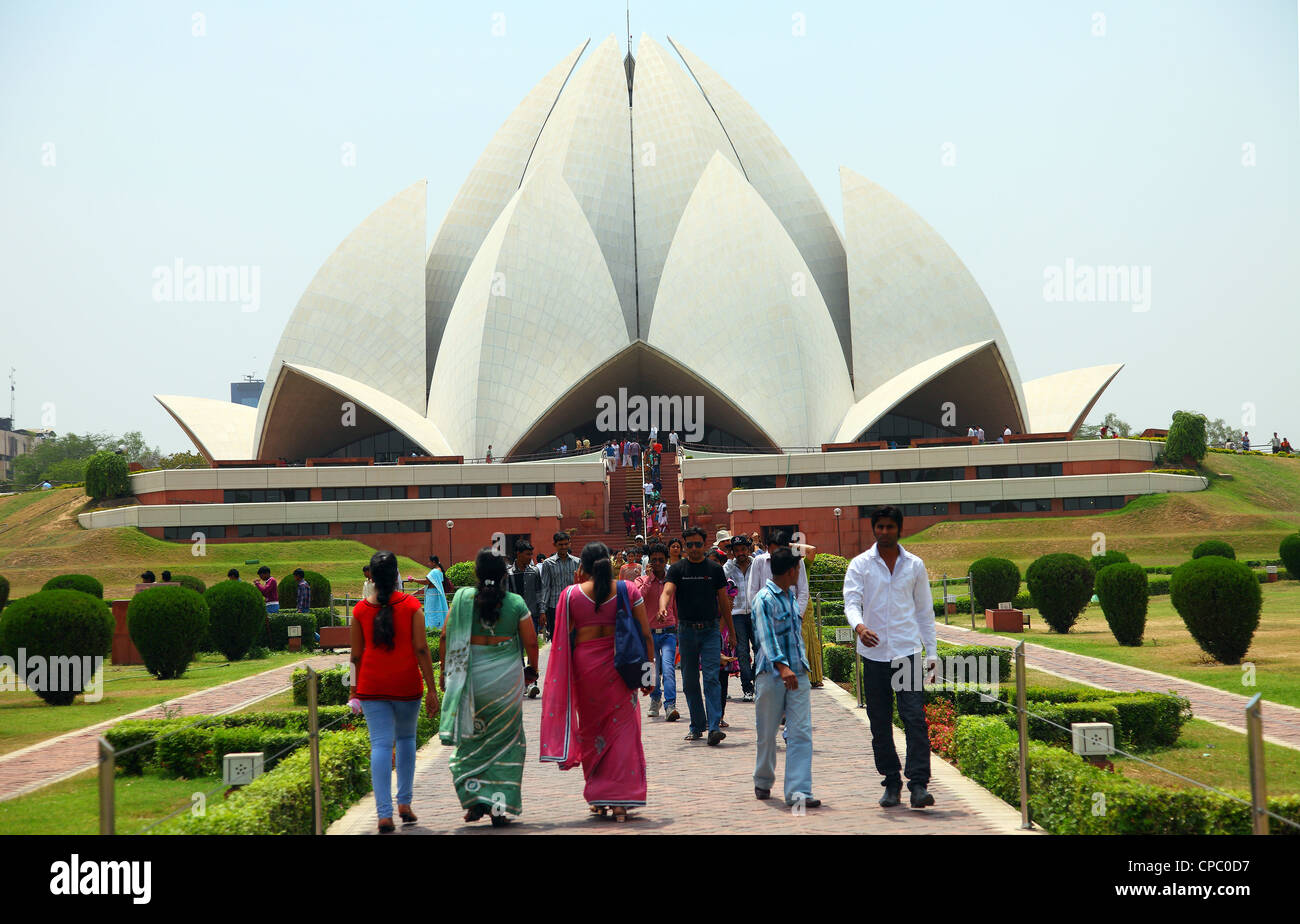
482, 706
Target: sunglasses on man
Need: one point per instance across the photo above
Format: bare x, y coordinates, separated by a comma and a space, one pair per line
695, 545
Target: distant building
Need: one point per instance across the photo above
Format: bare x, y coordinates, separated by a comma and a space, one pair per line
14, 443
247, 392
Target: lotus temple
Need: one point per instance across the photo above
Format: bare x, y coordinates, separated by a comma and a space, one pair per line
635, 225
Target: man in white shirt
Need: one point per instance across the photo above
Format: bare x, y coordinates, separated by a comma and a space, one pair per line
672, 440
761, 571
737, 570
888, 603
979, 434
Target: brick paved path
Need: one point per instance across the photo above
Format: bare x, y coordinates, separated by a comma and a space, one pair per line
696, 789
1281, 723
67, 755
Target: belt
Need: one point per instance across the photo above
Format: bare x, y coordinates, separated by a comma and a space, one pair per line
672, 629
711, 624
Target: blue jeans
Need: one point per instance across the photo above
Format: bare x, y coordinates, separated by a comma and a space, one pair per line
665, 666
744, 638
701, 646
391, 721
771, 701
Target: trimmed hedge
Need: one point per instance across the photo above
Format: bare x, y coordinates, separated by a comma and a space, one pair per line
837, 661
82, 582
1288, 551
275, 630
1064, 789
1113, 557
1219, 600
993, 581
1005, 656
167, 625
1061, 585
1123, 593
236, 615
332, 688
321, 592
196, 752
1214, 547
192, 583
461, 574
826, 575
56, 624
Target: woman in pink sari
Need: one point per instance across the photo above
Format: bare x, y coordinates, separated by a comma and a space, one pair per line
589, 715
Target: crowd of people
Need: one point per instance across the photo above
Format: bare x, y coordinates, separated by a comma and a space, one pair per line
620, 625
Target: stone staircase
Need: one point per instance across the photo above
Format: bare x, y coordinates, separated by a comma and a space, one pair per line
626, 485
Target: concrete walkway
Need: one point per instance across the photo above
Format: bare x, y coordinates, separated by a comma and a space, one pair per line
696, 789
74, 752
1281, 723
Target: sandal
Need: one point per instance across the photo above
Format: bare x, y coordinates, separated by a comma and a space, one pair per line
599, 810
722, 724
620, 813
476, 812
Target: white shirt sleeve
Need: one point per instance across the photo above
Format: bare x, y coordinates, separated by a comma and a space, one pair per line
802, 595
854, 592
924, 608
754, 583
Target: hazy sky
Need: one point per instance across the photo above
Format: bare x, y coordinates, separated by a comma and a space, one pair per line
127, 142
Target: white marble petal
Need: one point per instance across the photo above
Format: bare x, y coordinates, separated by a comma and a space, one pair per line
218, 429
1059, 403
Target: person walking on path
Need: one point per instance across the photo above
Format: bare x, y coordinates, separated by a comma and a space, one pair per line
631, 568
482, 706
762, 570
524, 579
557, 573
589, 714
737, 571
781, 680
663, 627
684, 511
887, 602
393, 672
699, 589
435, 595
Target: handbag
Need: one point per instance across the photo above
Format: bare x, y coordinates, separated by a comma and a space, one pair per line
629, 645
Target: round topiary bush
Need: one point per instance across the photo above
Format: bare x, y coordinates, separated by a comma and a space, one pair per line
236, 614
1214, 547
1288, 551
838, 662
82, 582
107, 476
1113, 557
192, 583
4, 591
57, 629
1219, 600
994, 581
461, 574
321, 592
1061, 586
167, 625
826, 575
1122, 591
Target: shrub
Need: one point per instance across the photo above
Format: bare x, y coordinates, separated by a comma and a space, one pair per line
56, 624
838, 663
1004, 658
188, 753
332, 688
1214, 547
1288, 551
1158, 587
167, 624
321, 592
1219, 600
192, 583
1122, 592
82, 582
1186, 439
236, 614
275, 631
940, 722
826, 575
107, 476
4, 591
1113, 557
461, 574
1061, 585
994, 581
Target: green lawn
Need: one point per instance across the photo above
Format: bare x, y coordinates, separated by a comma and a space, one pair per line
1217, 757
72, 806
26, 719
1169, 649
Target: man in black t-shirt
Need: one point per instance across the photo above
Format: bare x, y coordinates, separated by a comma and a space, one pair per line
699, 587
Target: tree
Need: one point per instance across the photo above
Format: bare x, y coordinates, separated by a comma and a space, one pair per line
107, 475
1219, 433
183, 460
1186, 439
1093, 431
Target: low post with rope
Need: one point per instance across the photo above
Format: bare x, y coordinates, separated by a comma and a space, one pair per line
1255, 747
107, 769
1022, 724
313, 741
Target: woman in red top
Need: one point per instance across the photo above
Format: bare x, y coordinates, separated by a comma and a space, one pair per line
390, 654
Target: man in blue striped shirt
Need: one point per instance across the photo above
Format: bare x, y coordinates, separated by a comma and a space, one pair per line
781, 685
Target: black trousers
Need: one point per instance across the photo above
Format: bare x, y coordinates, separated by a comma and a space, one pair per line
880, 694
